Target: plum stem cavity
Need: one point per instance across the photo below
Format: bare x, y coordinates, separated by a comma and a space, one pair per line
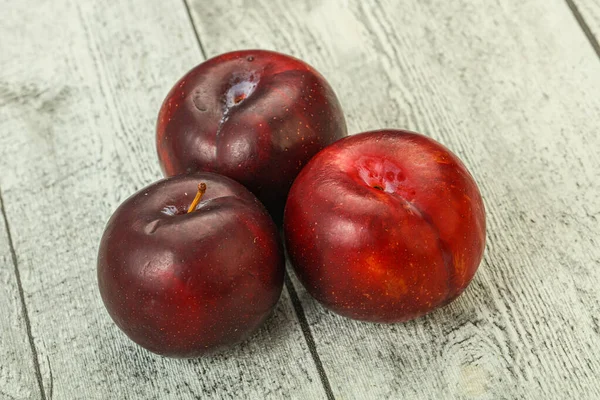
240, 92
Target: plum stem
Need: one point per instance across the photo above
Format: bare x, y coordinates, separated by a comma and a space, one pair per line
201, 190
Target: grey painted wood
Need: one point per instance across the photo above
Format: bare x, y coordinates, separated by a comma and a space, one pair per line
80, 88
17, 372
517, 99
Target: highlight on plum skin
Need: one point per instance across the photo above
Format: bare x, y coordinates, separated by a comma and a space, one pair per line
385, 226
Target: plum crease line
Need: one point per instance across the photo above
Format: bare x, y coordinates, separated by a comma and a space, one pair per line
308, 337
584, 26
36, 364
446, 253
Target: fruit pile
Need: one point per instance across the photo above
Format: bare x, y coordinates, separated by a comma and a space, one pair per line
383, 226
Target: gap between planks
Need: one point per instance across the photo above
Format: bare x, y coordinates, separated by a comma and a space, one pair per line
584, 26
189, 14
13, 255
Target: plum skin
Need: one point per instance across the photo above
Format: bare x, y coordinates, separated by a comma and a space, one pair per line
185, 285
385, 226
255, 116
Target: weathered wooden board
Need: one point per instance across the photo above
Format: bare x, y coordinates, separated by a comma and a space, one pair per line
517, 99
18, 378
80, 88
587, 14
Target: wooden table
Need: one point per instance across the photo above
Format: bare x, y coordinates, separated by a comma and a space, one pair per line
511, 86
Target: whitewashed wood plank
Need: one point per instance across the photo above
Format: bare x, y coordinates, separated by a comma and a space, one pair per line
587, 14
80, 88
17, 366
517, 99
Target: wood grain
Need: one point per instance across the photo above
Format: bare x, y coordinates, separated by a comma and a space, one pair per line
17, 371
80, 88
517, 99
